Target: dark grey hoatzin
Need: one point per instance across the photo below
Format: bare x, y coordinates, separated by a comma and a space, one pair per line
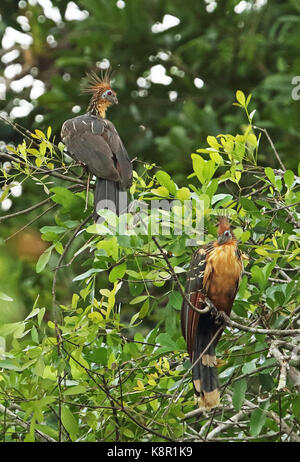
94, 141
215, 273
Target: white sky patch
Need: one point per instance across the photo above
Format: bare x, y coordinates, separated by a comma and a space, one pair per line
24, 23
76, 109
73, 13
158, 75
143, 83
2, 89
6, 204
12, 36
19, 85
12, 70
211, 5
10, 56
163, 55
104, 64
38, 88
167, 22
16, 189
22, 110
6, 166
243, 6
50, 11
259, 4
173, 96
39, 118
121, 4
198, 82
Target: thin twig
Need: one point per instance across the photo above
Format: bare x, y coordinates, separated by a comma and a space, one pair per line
272, 145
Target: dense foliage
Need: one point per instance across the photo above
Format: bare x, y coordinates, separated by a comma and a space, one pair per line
108, 362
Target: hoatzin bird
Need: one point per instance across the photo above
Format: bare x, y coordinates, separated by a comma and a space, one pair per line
94, 141
215, 273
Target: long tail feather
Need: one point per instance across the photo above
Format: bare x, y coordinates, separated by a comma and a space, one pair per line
205, 375
108, 195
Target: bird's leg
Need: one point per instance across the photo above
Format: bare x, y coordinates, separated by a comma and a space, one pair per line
84, 169
87, 192
220, 316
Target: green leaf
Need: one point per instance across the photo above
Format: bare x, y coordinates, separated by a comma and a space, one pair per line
43, 260
289, 178
144, 309
110, 247
257, 421
183, 194
175, 300
117, 272
10, 365
249, 205
198, 166
270, 174
69, 200
258, 276
52, 229
5, 297
139, 299
76, 390
34, 335
41, 315
296, 406
87, 274
127, 432
99, 356
239, 391
165, 180
11, 328
213, 142
69, 422
166, 341
240, 97
33, 313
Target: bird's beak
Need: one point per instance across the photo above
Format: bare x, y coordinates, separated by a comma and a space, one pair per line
221, 239
115, 100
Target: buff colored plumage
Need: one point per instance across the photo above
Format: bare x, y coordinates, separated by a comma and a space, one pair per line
215, 272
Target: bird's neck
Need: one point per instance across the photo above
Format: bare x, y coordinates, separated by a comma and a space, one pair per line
99, 107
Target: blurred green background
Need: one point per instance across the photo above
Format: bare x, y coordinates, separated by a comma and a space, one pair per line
178, 65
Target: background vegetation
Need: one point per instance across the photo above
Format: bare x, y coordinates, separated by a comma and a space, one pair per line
91, 348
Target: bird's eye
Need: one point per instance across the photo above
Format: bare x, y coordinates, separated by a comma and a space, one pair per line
227, 233
109, 92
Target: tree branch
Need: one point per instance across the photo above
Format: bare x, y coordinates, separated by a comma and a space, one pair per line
39, 435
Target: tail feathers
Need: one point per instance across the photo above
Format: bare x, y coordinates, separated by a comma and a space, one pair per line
205, 375
108, 195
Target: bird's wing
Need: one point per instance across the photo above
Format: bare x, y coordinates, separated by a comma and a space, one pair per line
124, 165
198, 272
85, 139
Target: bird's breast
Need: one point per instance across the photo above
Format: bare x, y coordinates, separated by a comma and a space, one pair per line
225, 272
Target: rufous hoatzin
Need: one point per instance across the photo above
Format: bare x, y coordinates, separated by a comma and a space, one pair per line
94, 141
214, 273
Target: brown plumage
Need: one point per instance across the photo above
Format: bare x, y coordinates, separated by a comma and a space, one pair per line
94, 141
215, 272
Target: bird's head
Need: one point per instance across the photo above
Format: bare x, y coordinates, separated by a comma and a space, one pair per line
103, 95
225, 233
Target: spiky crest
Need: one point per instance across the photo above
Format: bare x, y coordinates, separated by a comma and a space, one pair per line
96, 84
